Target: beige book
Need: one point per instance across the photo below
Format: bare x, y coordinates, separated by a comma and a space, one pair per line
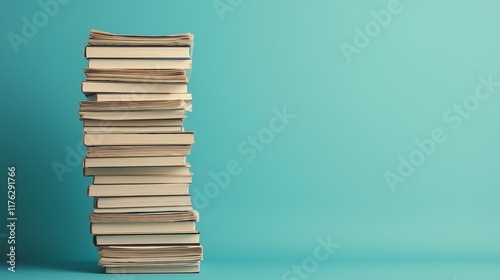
89, 87
128, 123
141, 170
150, 251
147, 239
122, 97
151, 217
143, 201
134, 115
122, 210
132, 129
137, 151
111, 63
134, 161
138, 75
101, 38
137, 52
118, 139
142, 179
138, 190
143, 228
90, 106
154, 269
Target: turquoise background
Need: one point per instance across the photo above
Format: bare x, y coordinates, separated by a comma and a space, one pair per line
323, 175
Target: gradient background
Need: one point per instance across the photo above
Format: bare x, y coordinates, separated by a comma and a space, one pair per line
322, 176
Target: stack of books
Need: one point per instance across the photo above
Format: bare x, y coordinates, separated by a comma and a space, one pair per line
137, 99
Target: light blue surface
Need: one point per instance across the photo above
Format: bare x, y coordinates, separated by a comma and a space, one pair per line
320, 174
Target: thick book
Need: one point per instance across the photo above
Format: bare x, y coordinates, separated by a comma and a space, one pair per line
137, 52
154, 269
112, 63
150, 251
137, 151
143, 201
151, 217
134, 115
101, 38
147, 239
137, 190
89, 87
143, 227
142, 179
122, 97
94, 106
134, 161
182, 138
138, 123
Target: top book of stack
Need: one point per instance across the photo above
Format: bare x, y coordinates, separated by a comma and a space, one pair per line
106, 45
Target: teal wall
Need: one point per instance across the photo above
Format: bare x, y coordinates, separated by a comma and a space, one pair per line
359, 102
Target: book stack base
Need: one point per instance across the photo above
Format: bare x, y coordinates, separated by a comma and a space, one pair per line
136, 88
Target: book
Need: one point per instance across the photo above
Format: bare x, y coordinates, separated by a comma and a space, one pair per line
118, 139
150, 251
148, 239
154, 269
138, 75
132, 129
138, 151
89, 87
139, 97
134, 161
151, 217
134, 115
108, 63
101, 38
138, 170
136, 123
136, 210
137, 190
143, 227
137, 52
143, 201
94, 106
141, 179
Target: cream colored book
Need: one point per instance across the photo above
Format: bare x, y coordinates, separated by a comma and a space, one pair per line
121, 97
137, 52
143, 201
137, 151
138, 75
142, 179
134, 115
137, 190
112, 63
93, 106
89, 87
132, 129
117, 139
146, 210
101, 38
147, 239
128, 123
141, 170
154, 269
152, 217
134, 161
143, 228
150, 251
